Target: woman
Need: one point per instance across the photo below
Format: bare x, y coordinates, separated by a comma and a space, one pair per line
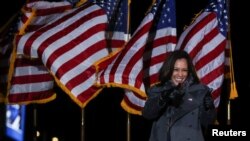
180, 105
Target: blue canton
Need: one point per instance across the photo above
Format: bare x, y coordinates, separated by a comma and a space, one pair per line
220, 8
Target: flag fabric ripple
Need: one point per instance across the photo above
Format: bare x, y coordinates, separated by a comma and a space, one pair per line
136, 66
68, 46
205, 41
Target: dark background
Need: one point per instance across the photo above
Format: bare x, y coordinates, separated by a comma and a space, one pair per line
105, 119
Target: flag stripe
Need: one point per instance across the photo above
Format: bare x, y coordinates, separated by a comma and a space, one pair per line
35, 97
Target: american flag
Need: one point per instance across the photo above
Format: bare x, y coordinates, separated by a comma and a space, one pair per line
117, 30
29, 80
205, 41
69, 46
136, 66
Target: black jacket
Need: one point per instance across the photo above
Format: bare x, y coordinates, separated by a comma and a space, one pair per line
179, 123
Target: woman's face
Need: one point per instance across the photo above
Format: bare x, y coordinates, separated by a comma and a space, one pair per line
180, 71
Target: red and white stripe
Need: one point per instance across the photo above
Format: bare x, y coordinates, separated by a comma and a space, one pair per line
124, 69
69, 46
31, 82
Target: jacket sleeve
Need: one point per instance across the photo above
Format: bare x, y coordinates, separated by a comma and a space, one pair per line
208, 116
153, 106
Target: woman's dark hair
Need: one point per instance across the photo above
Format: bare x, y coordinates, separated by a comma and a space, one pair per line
168, 66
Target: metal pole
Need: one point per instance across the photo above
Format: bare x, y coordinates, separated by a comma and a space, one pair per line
82, 126
128, 127
127, 39
229, 112
34, 123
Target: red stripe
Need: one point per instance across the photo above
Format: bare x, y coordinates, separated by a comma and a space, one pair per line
53, 10
216, 93
38, 78
114, 43
31, 28
30, 96
24, 62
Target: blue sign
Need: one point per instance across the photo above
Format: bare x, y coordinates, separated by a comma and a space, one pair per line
15, 122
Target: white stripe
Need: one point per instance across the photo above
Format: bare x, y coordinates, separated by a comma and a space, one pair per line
42, 20
31, 87
155, 68
119, 36
169, 31
217, 101
22, 42
30, 70
162, 49
46, 4
137, 68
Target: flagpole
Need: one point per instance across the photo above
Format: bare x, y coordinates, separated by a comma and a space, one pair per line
82, 125
228, 102
127, 39
233, 92
128, 127
34, 122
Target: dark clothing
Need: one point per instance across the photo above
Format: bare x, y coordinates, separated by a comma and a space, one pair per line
179, 123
